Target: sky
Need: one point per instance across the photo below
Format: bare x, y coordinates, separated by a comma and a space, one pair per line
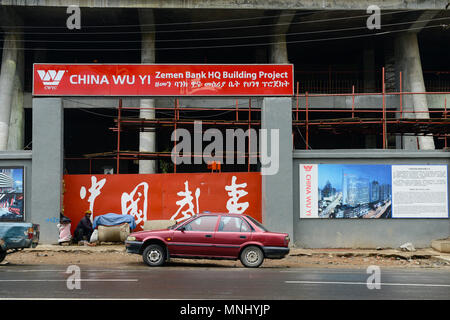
333, 173
17, 174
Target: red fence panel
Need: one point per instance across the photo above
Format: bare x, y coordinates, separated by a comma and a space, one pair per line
162, 196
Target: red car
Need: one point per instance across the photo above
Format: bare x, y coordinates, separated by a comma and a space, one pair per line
210, 236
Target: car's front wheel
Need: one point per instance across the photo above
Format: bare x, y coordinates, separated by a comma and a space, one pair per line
252, 257
154, 255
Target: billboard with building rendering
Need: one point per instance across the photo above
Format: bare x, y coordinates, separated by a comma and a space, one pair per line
373, 191
12, 194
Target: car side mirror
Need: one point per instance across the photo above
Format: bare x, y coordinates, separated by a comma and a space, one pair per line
182, 229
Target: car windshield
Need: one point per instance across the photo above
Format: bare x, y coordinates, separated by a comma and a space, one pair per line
176, 225
258, 223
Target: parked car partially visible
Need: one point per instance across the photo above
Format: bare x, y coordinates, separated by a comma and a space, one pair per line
211, 236
15, 236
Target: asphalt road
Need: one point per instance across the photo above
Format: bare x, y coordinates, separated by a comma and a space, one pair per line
210, 282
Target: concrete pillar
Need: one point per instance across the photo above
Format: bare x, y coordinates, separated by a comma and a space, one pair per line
407, 57
278, 49
47, 163
16, 129
147, 140
277, 194
369, 68
7, 76
369, 83
390, 73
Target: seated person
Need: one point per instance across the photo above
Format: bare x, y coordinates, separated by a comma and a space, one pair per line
84, 228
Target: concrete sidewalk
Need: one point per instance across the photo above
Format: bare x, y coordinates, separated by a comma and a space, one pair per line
423, 253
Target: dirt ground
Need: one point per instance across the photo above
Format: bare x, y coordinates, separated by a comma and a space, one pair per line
119, 258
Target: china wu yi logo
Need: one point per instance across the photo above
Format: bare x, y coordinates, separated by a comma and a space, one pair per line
51, 77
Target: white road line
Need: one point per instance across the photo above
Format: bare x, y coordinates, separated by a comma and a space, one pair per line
365, 283
83, 270
100, 299
65, 280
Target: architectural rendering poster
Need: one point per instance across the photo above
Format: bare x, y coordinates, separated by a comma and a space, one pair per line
12, 194
373, 191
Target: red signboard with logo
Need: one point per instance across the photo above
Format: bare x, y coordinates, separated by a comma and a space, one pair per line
162, 196
162, 80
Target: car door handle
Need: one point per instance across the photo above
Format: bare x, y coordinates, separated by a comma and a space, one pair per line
208, 235
242, 237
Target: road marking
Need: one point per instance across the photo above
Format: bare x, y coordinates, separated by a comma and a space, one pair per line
365, 283
100, 299
56, 280
82, 270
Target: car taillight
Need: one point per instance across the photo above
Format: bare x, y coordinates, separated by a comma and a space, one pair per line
30, 233
286, 239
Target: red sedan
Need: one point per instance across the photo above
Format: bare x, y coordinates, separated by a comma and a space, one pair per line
210, 236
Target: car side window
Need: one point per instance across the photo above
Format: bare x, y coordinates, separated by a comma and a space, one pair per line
233, 224
205, 223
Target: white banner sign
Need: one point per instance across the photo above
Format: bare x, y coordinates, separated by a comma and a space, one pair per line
419, 191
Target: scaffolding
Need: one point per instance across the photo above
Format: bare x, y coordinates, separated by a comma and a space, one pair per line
307, 120
388, 120
177, 122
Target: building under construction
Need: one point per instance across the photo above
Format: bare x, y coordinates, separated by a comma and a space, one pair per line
365, 93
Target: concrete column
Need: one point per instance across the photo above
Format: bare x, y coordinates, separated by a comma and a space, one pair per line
277, 205
408, 62
7, 76
147, 140
17, 119
47, 163
369, 84
278, 50
369, 68
16, 129
390, 72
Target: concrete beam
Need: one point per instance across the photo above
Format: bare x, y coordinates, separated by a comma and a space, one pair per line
424, 20
435, 101
364, 154
238, 4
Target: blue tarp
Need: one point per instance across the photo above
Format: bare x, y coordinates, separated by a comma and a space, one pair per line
113, 219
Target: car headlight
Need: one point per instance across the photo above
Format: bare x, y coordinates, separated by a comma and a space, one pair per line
131, 238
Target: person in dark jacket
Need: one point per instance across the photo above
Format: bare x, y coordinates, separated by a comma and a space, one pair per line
84, 229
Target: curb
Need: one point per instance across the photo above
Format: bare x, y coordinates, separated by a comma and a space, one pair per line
75, 249
427, 253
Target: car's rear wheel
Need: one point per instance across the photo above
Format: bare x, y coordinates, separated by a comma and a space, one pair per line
2, 255
154, 255
252, 257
